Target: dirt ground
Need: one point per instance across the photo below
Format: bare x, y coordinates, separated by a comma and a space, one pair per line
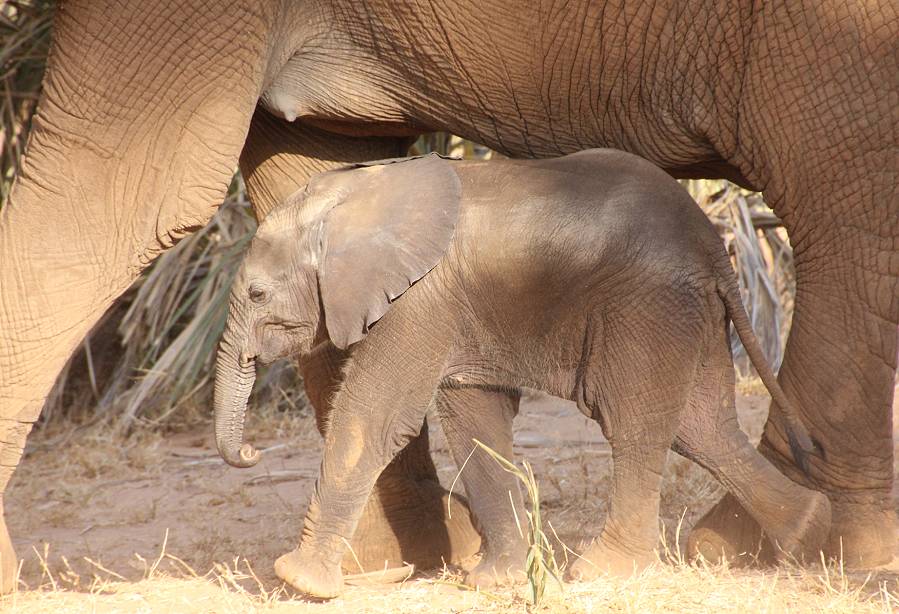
161, 524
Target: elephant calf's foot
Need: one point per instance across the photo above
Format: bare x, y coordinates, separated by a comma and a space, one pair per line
499, 569
406, 520
310, 575
599, 559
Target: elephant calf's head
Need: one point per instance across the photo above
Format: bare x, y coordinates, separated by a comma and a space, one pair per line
327, 263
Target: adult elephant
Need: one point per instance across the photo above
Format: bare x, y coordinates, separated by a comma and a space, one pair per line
147, 109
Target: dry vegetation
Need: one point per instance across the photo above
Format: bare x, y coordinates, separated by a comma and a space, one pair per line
24, 40
235, 588
134, 511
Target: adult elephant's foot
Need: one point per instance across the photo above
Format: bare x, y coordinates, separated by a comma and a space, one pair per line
860, 536
9, 565
411, 518
12, 443
728, 533
499, 569
863, 536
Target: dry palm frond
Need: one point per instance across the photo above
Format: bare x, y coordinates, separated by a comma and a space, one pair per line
762, 258
175, 315
24, 42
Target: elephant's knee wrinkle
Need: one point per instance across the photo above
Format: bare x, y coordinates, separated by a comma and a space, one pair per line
397, 434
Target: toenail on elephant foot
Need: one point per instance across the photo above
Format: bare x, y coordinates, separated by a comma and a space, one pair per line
309, 575
411, 521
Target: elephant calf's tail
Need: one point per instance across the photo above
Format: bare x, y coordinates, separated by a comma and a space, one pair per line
801, 443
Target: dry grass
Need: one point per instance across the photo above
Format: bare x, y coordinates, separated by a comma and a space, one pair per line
541, 567
169, 584
24, 41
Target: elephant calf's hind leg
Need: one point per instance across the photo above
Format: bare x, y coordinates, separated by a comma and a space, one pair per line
638, 393
794, 518
495, 499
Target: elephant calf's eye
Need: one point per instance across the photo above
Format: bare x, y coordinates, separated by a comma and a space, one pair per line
258, 294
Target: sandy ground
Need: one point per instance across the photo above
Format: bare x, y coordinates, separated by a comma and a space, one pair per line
162, 524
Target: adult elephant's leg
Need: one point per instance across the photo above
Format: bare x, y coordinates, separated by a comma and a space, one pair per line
133, 145
820, 140
840, 361
406, 517
279, 156
840, 367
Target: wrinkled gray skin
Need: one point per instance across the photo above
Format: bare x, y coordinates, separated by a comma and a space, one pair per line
148, 106
593, 277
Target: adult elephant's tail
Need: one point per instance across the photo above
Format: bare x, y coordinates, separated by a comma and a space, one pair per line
801, 443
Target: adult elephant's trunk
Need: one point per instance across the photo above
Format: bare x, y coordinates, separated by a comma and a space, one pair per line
235, 374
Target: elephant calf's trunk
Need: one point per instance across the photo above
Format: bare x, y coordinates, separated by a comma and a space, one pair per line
234, 380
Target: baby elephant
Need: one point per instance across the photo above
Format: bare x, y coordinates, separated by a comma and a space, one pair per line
593, 277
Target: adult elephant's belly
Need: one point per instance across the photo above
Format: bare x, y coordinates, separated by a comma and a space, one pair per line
292, 107
360, 101
713, 169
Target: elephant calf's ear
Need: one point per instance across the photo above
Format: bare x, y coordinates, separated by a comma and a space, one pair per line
393, 225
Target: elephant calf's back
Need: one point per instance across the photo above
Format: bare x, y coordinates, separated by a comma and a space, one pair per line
578, 216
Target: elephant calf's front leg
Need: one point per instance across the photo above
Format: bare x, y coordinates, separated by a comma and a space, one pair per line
348, 473
361, 440
406, 518
353, 460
